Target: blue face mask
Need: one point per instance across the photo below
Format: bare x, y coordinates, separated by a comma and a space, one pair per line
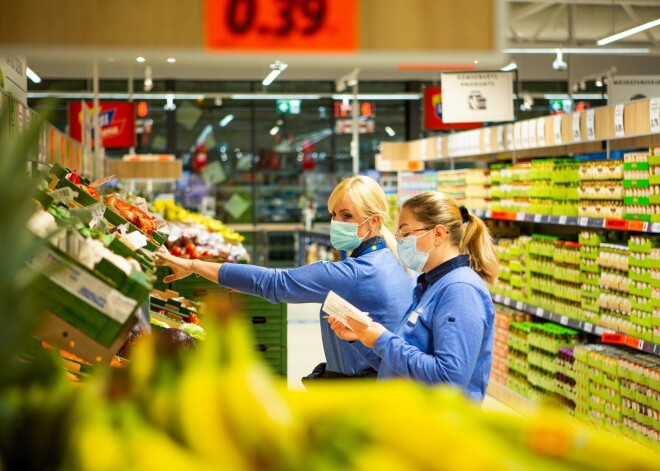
409, 255
343, 235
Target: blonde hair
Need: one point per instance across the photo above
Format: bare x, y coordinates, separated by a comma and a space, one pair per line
433, 208
369, 200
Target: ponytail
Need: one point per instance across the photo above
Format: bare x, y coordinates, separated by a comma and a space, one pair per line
478, 244
465, 230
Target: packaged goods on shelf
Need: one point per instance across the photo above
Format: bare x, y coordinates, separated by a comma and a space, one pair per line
413, 183
600, 187
477, 191
453, 183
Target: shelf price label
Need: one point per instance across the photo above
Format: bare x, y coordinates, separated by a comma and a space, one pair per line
577, 135
538, 218
264, 25
519, 306
640, 226
563, 219
617, 224
556, 128
497, 298
654, 111
634, 343
588, 327
540, 132
540, 311
584, 222
619, 130
617, 339
563, 320
655, 227
591, 128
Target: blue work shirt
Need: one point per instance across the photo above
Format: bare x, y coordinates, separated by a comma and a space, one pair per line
447, 333
374, 281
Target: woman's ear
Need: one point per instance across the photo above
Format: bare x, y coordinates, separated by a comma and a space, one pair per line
376, 221
439, 233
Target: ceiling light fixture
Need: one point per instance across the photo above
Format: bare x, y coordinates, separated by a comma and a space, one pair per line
148, 79
32, 76
226, 120
509, 67
274, 130
628, 32
140, 59
599, 83
171, 60
277, 68
390, 132
169, 105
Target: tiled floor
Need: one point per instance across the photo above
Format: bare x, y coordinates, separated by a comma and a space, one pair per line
306, 351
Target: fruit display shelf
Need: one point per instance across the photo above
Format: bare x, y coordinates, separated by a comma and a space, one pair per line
606, 335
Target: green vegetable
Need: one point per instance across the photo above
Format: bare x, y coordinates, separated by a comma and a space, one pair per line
194, 331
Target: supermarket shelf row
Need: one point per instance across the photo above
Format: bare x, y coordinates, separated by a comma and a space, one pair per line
606, 335
591, 223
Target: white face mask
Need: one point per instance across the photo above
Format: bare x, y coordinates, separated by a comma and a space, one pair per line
409, 255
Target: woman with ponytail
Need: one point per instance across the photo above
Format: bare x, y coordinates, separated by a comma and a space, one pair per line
371, 277
446, 335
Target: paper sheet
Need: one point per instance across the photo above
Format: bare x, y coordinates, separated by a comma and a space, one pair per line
337, 307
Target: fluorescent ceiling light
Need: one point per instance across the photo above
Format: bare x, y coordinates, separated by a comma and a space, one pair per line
628, 32
32, 76
278, 67
272, 96
140, 59
274, 130
379, 96
578, 50
390, 132
171, 60
226, 120
206, 132
576, 96
509, 67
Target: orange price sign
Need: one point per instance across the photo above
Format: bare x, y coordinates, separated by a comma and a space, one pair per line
619, 224
281, 25
618, 339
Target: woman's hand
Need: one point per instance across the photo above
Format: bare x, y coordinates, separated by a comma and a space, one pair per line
341, 330
182, 267
365, 333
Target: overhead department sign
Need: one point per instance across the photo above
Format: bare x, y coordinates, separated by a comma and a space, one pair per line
477, 97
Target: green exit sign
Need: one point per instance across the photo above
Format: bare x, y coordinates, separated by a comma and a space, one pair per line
288, 106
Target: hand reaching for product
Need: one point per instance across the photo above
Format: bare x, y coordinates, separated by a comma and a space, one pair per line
181, 266
365, 333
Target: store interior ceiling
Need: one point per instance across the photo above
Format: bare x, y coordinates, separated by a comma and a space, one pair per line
574, 25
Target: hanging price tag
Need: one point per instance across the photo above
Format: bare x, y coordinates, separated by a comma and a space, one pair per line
563, 320
588, 327
539, 311
509, 136
63, 195
517, 141
500, 138
619, 131
538, 218
487, 138
654, 108
525, 134
655, 227
540, 132
556, 129
640, 226
577, 135
532, 134
563, 219
519, 306
591, 128
439, 147
583, 222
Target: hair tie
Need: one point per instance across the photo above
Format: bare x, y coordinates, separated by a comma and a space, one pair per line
465, 214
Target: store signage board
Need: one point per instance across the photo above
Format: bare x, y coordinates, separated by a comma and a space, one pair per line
13, 77
283, 26
433, 112
117, 120
477, 96
626, 88
287, 106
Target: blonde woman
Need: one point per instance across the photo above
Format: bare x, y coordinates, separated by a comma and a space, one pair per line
446, 335
371, 277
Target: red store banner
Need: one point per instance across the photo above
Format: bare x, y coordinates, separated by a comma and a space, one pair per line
433, 112
117, 120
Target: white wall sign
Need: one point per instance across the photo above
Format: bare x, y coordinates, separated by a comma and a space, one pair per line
591, 128
626, 88
13, 77
469, 97
619, 130
654, 110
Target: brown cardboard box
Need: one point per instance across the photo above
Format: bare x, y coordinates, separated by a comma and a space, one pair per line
144, 170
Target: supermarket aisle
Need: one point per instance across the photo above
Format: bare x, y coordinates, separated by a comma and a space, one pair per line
306, 351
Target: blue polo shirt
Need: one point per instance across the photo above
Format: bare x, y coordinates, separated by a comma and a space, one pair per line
447, 333
373, 280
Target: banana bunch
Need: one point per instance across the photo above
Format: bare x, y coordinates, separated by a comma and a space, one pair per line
172, 212
217, 408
